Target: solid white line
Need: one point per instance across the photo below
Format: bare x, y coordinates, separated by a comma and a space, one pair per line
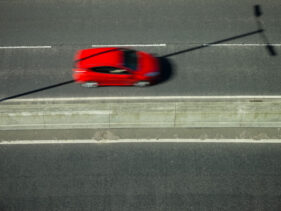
248, 97
17, 47
241, 44
92, 141
132, 45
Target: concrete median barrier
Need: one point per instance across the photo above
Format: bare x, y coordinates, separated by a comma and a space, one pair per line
16, 115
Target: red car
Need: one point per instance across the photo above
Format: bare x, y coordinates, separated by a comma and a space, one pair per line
115, 67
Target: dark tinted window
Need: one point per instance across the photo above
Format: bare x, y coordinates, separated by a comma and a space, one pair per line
109, 70
102, 69
130, 59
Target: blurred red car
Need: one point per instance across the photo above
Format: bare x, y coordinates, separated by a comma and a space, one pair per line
115, 67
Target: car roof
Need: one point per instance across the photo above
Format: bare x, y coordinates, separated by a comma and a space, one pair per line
93, 57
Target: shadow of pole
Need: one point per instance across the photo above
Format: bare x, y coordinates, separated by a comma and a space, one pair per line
166, 66
36, 90
260, 30
214, 43
258, 13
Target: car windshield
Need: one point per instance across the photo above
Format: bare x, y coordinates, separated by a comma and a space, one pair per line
130, 59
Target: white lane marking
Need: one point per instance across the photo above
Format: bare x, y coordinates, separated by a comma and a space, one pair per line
143, 45
240, 44
17, 47
93, 141
132, 45
66, 113
248, 97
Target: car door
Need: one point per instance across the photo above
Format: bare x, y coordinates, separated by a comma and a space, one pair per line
108, 75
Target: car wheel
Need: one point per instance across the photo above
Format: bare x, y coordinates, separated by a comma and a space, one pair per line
90, 84
142, 83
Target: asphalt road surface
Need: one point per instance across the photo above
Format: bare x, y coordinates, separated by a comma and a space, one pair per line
140, 176
38, 39
239, 63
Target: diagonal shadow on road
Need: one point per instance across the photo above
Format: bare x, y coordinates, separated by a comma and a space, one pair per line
37, 90
213, 43
168, 73
260, 30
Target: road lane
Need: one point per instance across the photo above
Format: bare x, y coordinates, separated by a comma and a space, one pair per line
98, 22
216, 70
140, 176
66, 27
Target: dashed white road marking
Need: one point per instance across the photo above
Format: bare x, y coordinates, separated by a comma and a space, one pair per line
132, 45
22, 47
92, 141
145, 45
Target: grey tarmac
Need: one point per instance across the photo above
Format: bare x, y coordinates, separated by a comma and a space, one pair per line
141, 176
232, 69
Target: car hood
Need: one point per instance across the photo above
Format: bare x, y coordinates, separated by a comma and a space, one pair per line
147, 63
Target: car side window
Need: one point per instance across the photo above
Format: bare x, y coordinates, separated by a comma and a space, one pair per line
109, 70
